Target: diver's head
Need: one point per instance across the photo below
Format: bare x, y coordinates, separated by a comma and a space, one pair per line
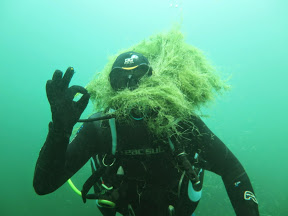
128, 69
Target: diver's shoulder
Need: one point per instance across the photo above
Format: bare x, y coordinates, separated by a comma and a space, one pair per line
197, 120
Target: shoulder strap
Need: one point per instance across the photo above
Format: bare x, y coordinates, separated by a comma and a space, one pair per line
112, 124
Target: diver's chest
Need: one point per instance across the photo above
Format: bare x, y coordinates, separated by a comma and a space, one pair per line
136, 140
141, 154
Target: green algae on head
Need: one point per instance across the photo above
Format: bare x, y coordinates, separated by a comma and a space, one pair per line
182, 82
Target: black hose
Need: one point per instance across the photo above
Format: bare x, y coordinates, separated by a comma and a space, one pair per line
109, 116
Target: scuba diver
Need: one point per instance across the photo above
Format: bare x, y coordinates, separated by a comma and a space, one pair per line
135, 171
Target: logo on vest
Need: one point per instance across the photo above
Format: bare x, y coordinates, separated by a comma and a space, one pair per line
144, 151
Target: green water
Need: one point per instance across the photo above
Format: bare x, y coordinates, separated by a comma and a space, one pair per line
245, 39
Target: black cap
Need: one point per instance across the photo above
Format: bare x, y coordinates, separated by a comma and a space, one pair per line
128, 69
130, 60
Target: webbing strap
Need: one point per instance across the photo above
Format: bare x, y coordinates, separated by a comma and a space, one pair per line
113, 134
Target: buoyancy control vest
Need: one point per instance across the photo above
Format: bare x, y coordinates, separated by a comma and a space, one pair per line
111, 171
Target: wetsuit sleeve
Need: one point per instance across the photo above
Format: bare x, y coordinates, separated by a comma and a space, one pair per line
220, 160
58, 160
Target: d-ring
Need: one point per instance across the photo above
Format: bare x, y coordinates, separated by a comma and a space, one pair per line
103, 161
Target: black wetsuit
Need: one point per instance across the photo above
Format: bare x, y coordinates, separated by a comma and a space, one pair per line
152, 178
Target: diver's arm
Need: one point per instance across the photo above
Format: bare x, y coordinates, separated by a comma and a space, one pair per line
50, 172
58, 160
220, 160
238, 186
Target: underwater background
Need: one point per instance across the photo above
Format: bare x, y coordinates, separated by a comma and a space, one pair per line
246, 41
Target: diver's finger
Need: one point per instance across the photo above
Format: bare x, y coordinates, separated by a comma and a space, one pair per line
73, 90
57, 76
67, 77
83, 102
